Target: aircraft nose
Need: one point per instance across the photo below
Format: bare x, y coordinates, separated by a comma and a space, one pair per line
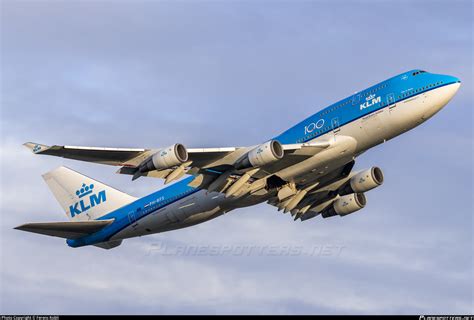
452, 79
446, 92
454, 85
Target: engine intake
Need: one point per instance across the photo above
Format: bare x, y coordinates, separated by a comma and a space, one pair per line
165, 158
345, 205
363, 181
266, 153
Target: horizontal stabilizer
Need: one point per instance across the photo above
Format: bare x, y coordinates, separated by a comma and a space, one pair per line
109, 244
67, 230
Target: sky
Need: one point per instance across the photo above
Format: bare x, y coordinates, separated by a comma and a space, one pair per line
235, 73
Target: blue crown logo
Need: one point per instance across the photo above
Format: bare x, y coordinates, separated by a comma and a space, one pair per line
370, 97
85, 190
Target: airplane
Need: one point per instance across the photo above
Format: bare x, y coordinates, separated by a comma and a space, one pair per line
305, 171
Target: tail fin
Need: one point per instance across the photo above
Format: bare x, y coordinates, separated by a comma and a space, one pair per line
83, 198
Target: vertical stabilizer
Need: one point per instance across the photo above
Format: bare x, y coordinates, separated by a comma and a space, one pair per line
83, 198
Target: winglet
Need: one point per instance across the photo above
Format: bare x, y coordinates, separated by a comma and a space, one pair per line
36, 147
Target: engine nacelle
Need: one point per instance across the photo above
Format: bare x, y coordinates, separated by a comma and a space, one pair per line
345, 205
166, 158
363, 181
266, 153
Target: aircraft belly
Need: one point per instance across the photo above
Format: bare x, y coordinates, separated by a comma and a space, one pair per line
343, 151
194, 209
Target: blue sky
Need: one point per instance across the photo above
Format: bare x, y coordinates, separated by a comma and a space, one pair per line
149, 74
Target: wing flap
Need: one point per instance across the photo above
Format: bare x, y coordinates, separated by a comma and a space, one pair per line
67, 230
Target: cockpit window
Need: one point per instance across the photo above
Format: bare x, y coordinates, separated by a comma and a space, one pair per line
418, 72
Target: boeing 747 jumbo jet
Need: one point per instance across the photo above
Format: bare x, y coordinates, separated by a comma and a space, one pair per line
305, 171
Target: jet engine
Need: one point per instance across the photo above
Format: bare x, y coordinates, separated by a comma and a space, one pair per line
165, 158
363, 181
266, 153
345, 205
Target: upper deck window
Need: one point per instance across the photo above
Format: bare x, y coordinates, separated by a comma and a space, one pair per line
418, 72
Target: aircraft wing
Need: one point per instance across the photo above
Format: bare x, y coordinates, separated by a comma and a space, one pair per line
207, 161
127, 157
